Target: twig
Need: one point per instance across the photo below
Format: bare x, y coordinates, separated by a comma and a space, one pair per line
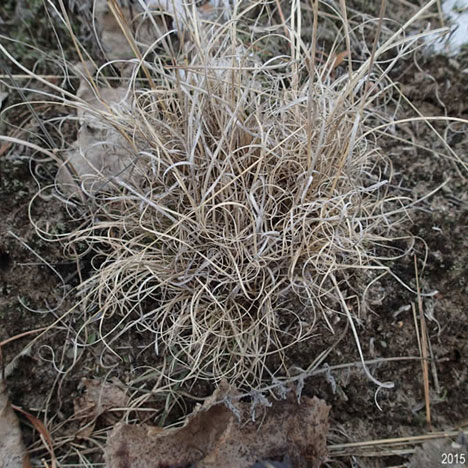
21, 335
424, 352
44, 433
346, 449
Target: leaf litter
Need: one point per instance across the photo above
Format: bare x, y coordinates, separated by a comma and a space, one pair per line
214, 436
97, 401
12, 451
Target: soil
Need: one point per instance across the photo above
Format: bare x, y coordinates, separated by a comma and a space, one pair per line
36, 275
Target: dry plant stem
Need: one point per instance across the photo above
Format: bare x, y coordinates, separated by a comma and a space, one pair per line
120, 18
356, 338
78, 48
44, 433
17, 141
441, 14
283, 21
391, 42
21, 335
29, 107
11, 339
349, 449
55, 78
427, 120
311, 105
424, 347
433, 361
347, 38
367, 88
313, 371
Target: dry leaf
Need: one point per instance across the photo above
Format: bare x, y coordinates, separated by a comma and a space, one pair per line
42, 429
99, 397
214, 437
100, 152
339, 58
12, 451
144, 30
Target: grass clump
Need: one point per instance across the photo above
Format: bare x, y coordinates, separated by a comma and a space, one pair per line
250, 195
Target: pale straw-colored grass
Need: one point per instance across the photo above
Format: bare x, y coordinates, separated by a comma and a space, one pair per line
254, 209
252, 186
255, 192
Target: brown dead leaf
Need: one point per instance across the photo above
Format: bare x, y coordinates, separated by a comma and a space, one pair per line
143, 29
100, 151
12, 451
44, 433
99, 398
338, 59
214, 437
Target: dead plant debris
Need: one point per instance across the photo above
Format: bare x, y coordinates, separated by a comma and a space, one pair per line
98, 398
217, 436
12, 451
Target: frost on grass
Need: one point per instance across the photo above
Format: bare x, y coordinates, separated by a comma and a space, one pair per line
253, 193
